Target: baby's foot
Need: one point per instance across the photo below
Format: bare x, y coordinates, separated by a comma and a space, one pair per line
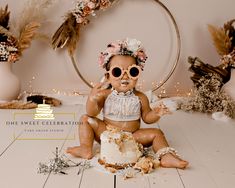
172, 161
80, 151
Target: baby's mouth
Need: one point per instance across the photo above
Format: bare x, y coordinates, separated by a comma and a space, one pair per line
124, 82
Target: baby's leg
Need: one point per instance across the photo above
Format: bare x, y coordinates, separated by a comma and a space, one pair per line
89, 129
156, 138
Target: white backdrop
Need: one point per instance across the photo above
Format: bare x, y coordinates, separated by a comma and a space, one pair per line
142, 19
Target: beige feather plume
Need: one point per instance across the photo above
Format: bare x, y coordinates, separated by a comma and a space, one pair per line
34, 11
27, 35
26, 28
67, 34
221, 40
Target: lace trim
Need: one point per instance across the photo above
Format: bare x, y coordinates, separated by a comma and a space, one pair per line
122, 106
163, 151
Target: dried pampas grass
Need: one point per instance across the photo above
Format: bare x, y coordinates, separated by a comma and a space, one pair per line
26, 27
34, 11
27, 35
221, 40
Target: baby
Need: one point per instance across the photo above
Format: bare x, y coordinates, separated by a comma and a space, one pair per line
123, 106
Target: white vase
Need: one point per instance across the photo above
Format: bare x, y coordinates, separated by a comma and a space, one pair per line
9, 83
230, 86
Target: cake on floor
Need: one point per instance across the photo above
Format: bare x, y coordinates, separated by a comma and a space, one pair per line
119, 149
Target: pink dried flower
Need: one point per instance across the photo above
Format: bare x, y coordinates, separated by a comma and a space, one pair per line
128, 46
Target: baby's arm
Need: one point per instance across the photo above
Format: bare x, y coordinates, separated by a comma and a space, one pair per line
150, 115
95, 101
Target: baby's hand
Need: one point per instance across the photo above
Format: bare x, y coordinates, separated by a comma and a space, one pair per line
97, 92
162, 110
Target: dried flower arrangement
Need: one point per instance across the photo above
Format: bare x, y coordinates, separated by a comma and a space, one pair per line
209, 98
209, 80
224, 42
223, 38
17, 35
67, 35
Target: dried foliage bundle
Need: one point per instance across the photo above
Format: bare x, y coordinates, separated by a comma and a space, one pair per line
209, 97
67, 35
21, 31
223, 37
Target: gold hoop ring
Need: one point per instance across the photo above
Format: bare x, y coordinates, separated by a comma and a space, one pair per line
176, 59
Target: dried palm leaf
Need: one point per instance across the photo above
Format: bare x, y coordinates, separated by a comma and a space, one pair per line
67, 34
27, 35
5, 31
230, 30
222, 41
4, 17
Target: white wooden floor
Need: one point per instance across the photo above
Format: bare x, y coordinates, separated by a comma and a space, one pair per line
207, 144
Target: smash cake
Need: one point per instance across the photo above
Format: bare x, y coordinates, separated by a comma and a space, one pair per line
119, 150
44, 111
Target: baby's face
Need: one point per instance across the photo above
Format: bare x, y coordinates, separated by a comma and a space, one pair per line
123, 83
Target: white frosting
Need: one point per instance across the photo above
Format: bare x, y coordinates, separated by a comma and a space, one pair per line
119, 148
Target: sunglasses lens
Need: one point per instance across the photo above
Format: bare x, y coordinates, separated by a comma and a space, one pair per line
134, 71
116, 72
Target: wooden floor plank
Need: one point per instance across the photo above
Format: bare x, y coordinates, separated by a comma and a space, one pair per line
180, 130
22, 158
136, 182
165, 177
205, 143
95, 179
212, 141
22, 161
7, 133
89, 178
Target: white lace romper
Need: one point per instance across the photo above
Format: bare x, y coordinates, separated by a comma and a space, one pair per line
122, 106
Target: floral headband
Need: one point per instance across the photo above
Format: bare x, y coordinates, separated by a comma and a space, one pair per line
131, 47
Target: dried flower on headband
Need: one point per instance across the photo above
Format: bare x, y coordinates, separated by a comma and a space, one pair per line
131, 47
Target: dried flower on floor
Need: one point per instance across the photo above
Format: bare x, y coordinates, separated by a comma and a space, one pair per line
38, 99
18, 105
210, 98
58, 164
